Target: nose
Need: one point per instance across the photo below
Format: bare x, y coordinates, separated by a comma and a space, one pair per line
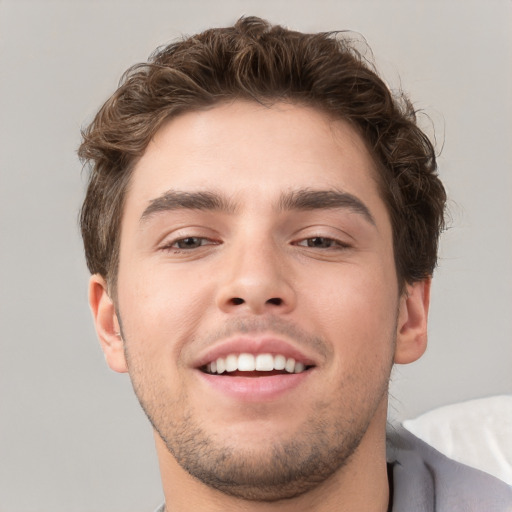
256, 281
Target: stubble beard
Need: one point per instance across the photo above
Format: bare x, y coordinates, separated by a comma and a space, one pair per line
282, 469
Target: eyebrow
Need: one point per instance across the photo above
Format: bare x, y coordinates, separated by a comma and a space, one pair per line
301, 199
306, 199
178, 200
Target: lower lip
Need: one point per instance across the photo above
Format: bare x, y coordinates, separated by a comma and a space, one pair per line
255, 389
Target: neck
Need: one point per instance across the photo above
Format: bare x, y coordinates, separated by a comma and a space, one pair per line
361, 485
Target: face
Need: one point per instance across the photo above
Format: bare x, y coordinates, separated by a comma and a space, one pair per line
257, 296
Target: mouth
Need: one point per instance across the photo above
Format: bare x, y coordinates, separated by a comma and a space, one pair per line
255, 365
254, 369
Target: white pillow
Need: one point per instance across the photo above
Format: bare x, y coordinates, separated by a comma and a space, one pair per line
477, 433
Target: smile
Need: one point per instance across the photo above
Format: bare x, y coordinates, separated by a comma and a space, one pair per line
245, 362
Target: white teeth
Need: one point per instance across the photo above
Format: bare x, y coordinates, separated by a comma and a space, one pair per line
221, 365
231, 363
299, 367
246, 363
264, 362
279, 362
249, 363
290, 365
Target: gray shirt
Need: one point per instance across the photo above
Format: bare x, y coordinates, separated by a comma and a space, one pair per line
424, 480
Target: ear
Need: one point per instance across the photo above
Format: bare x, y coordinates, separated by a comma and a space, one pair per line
411, 340
107, 324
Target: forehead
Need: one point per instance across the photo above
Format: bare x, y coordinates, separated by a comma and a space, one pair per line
252, 154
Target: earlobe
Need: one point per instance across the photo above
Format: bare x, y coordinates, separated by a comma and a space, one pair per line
411, 339
106, 323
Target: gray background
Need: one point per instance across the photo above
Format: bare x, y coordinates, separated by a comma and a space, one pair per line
72, 437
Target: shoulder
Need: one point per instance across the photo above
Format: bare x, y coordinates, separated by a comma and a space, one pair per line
426, 480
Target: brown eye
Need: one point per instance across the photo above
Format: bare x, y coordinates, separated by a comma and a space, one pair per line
191, 242
320, 242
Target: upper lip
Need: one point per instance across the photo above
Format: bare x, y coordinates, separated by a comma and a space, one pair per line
253, 345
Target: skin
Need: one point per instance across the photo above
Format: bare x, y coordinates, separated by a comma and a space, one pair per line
322, 279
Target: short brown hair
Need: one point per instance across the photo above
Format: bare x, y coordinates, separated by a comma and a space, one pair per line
257, 61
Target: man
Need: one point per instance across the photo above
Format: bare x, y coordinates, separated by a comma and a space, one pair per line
261, 225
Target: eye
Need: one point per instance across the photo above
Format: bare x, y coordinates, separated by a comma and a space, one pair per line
190, 242
321, 242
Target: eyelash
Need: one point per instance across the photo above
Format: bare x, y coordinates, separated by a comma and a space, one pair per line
173, 246
333, 243
203, 241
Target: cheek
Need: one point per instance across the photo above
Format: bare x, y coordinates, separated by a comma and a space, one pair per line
160, 310
356, 311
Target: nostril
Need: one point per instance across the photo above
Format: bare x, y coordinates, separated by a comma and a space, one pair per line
276, 301
236, 301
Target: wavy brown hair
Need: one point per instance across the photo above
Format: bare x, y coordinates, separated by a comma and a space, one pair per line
258, 61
